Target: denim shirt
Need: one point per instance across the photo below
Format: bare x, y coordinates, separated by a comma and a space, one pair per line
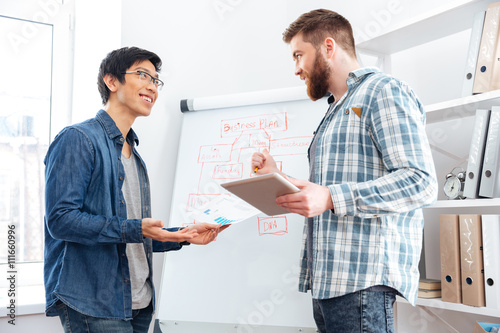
86, 225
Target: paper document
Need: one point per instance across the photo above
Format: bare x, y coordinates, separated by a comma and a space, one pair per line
224, 210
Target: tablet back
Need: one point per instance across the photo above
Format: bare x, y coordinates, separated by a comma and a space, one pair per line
262, 191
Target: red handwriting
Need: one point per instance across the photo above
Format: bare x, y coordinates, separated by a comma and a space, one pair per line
196, 201
290, 146
229, 171
271, 122
274, 225
215, 153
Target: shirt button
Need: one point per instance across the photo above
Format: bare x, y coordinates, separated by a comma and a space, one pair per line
119, 157
126, 280
121, 178
346, 111
123, 201
121, 139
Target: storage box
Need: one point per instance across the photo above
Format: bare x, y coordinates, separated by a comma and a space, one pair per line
484, 327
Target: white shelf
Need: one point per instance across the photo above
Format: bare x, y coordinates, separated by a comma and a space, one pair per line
467, 203
461, 107
441, 22
439, 304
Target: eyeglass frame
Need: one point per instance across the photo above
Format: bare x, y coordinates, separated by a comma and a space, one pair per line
156, 81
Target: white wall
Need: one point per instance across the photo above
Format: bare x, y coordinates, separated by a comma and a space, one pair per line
220, 47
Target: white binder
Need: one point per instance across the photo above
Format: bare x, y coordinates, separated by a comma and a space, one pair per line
487, 49
476, 153
491, 251
474, 43
490, 180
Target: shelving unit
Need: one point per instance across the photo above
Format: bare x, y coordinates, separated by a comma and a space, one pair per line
437, 303
467, 204
461, 107
444, 21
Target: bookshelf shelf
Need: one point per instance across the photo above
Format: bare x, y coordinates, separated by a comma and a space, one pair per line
437, 303
467, 203
461, 107
441, 22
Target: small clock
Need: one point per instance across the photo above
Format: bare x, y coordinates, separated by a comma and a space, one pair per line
454, 185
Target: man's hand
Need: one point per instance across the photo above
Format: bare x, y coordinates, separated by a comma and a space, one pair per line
312, 200
264, 162
152, 228
206, 232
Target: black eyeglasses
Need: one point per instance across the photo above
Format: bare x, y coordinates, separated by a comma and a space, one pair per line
147, 78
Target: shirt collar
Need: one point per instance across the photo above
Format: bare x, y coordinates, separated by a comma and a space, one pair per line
359, 74
112, 130
355, 77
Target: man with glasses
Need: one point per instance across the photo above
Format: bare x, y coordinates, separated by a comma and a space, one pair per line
99, 234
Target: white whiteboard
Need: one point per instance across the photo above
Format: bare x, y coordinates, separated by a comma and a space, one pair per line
248, 277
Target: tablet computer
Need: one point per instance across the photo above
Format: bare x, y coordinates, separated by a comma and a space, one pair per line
262, 191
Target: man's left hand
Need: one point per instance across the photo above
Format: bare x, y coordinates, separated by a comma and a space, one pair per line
312, 200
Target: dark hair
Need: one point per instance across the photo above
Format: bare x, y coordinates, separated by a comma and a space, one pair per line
317, 25
118, 61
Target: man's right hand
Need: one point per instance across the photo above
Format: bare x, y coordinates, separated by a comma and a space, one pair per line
152, 228
264, 162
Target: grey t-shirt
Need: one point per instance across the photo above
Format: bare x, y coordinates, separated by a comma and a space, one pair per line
136, 255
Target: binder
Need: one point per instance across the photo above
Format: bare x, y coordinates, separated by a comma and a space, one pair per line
490, 181
476, 153
491, 251
449, 250
487, 49
472, 54
471, 260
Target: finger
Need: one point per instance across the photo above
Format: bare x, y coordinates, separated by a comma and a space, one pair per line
211, 226
257, 162
188, 233
157, 223
224, 227
289, 198
297, 182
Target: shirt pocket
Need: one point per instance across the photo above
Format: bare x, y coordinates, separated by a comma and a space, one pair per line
351, 130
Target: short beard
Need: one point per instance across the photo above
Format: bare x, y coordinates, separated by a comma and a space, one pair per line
319, 79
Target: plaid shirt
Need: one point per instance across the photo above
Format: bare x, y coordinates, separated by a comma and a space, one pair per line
373, 154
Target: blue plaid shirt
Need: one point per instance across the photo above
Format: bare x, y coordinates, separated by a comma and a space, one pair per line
372, 151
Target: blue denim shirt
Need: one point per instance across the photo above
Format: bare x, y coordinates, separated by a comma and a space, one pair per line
86, 225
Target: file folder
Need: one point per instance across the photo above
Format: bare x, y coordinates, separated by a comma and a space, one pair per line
471, 260
490, 181
491, 253
487, 49
472, 54
476, 154
449, 249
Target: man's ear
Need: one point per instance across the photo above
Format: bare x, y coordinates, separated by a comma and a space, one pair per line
110, 82
330, 47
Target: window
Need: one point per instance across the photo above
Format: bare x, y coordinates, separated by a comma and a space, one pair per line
35, 95
25, 96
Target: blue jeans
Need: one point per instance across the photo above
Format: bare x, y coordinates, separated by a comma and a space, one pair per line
361, 311
75, 322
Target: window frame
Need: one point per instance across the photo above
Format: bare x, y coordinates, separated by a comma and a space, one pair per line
30, 294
